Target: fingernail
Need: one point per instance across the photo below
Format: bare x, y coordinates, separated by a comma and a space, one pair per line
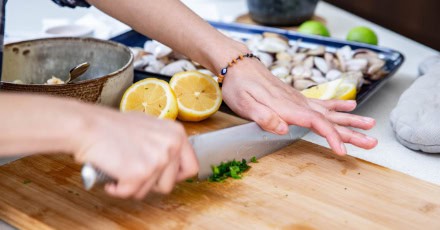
368, 119
353, 101
343, 149
371, 138
282, 128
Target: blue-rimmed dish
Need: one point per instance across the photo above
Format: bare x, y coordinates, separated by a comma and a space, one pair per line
393, 59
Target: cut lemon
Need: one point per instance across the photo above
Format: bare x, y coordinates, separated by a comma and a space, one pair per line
346, 91
324, 91
151, 96
198, 95
342, 89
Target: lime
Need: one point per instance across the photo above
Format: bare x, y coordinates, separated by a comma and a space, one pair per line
362, 34
314, 27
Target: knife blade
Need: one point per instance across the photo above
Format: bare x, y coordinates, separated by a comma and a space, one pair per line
212, 148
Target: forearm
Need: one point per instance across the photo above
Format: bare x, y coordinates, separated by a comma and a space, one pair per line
32, 124
172, 23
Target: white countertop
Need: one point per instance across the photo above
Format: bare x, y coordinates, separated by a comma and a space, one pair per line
24, 20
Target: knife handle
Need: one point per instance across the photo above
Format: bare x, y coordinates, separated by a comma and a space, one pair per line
91, 176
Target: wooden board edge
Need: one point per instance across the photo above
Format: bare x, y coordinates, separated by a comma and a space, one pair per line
15, 218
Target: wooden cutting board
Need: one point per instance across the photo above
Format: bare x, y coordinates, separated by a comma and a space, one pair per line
302, 186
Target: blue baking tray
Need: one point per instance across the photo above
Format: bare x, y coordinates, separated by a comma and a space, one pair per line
394, 59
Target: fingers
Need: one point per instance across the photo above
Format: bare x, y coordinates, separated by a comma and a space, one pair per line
264, 116
189, 165
268, 120
167, 179
357, 139
123, 189
351, 120
326, 129
336, 105
317, 123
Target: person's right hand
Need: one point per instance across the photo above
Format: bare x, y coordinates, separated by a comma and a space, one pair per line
141, 152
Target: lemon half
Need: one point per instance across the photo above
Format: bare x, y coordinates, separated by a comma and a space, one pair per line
198, 95
342, 89
151, 96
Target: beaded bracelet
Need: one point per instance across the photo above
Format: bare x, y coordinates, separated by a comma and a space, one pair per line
224, 71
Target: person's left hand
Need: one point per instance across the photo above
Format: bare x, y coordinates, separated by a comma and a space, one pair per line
251, 91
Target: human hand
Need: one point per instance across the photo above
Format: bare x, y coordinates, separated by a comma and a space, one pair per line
141, 152
253, 92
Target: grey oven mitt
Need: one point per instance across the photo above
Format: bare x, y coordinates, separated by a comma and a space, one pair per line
416, 118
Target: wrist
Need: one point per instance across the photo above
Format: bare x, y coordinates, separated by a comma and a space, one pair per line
82, 128
220, 56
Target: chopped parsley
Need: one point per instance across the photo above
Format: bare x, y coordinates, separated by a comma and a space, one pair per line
233, 169
27, 181
254, 160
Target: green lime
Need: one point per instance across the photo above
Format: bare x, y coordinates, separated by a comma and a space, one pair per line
363, 34
314, 27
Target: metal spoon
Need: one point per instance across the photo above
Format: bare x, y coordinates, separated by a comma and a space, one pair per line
77, 71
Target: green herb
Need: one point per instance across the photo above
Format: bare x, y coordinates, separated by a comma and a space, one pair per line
189, 180
254, 160
232, 169
27, 181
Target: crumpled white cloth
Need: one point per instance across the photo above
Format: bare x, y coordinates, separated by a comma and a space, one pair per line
416, 118
104, 27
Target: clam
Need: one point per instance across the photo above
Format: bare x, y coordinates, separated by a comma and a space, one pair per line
154, 66
318, 51
300, 72
308, 63
344, 54
356, 65
280, 71
178, 66
294, 47
156, 48
265, 58
252, 42
364, 54
287, 64
143, 61
288, 80
273, 43
375, 67
378, 75
317, 76
283, 56
321, 64
332, 62
138, 64
298, 58
303, 84
138, 53
333, 74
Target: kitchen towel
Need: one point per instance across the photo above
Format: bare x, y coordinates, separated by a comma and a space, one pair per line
416, 118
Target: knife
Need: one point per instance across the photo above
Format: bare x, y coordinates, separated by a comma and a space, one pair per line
212, 148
